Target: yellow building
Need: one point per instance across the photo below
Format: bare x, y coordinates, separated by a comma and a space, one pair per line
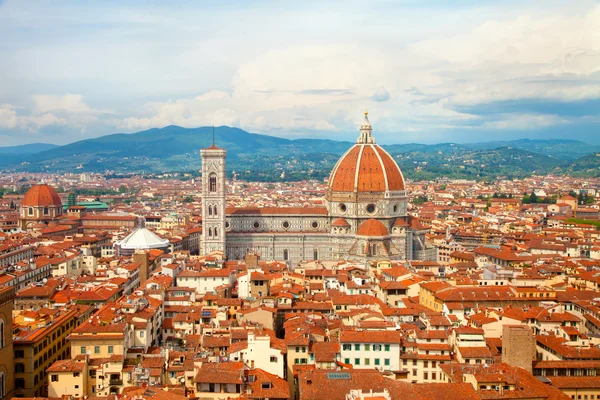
40, 339
104, 342
6, 343
100, 339
68, 377
427, 296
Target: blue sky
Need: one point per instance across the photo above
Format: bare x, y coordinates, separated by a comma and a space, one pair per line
427, 71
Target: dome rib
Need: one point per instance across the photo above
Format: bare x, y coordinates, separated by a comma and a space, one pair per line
394, 176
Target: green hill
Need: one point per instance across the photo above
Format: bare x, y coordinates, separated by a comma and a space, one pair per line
262, 157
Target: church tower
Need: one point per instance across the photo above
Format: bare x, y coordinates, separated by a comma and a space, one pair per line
213, 199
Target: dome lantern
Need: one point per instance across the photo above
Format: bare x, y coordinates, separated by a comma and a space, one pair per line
366, 132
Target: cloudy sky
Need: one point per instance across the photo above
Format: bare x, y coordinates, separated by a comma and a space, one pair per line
427, 71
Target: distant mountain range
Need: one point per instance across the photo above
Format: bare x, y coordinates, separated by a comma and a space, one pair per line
263, 157
27, 148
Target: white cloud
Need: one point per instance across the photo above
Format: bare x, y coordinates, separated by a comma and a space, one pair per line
550, 57
266, 77
8, 116
71, 103
11, 120
49, 110
208, 109
524, 122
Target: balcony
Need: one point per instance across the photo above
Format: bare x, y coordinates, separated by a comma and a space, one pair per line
116, 382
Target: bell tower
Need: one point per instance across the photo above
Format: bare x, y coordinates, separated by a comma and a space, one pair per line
213, 198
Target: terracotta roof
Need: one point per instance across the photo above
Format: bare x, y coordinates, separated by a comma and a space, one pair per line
66, 366
366, 168
276, 210
326, 351
227, 372
41, 196
340, 222
372, 227
370, 337
575, 382
335, 385
400, 222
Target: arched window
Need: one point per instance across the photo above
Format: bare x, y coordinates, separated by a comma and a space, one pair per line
209, 232
209, 210
46, 211
30, 211
215, 233
215, 211
212, 183
2, 344
286, 255
2, 385
316, 254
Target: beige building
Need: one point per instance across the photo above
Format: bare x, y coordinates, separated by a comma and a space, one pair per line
68, 378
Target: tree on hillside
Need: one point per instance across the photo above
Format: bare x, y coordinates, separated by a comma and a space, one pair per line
533, 198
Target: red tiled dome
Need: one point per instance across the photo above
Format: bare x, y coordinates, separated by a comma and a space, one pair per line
41, 196
340, 222
372, 227
366, 168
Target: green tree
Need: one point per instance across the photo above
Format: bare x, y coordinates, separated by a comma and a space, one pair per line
123, 189
533, 198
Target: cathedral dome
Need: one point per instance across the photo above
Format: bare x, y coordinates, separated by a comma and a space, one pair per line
41, 195
366, 167
372, 227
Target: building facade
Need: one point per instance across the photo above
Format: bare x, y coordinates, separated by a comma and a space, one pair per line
364, 218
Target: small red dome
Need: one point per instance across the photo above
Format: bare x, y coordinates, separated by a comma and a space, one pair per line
400, 222
41, 196
372, 227
340, 222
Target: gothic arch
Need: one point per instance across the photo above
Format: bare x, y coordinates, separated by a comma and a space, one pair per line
212, 182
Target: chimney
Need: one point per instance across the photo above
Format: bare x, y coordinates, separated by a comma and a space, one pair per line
141, 257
